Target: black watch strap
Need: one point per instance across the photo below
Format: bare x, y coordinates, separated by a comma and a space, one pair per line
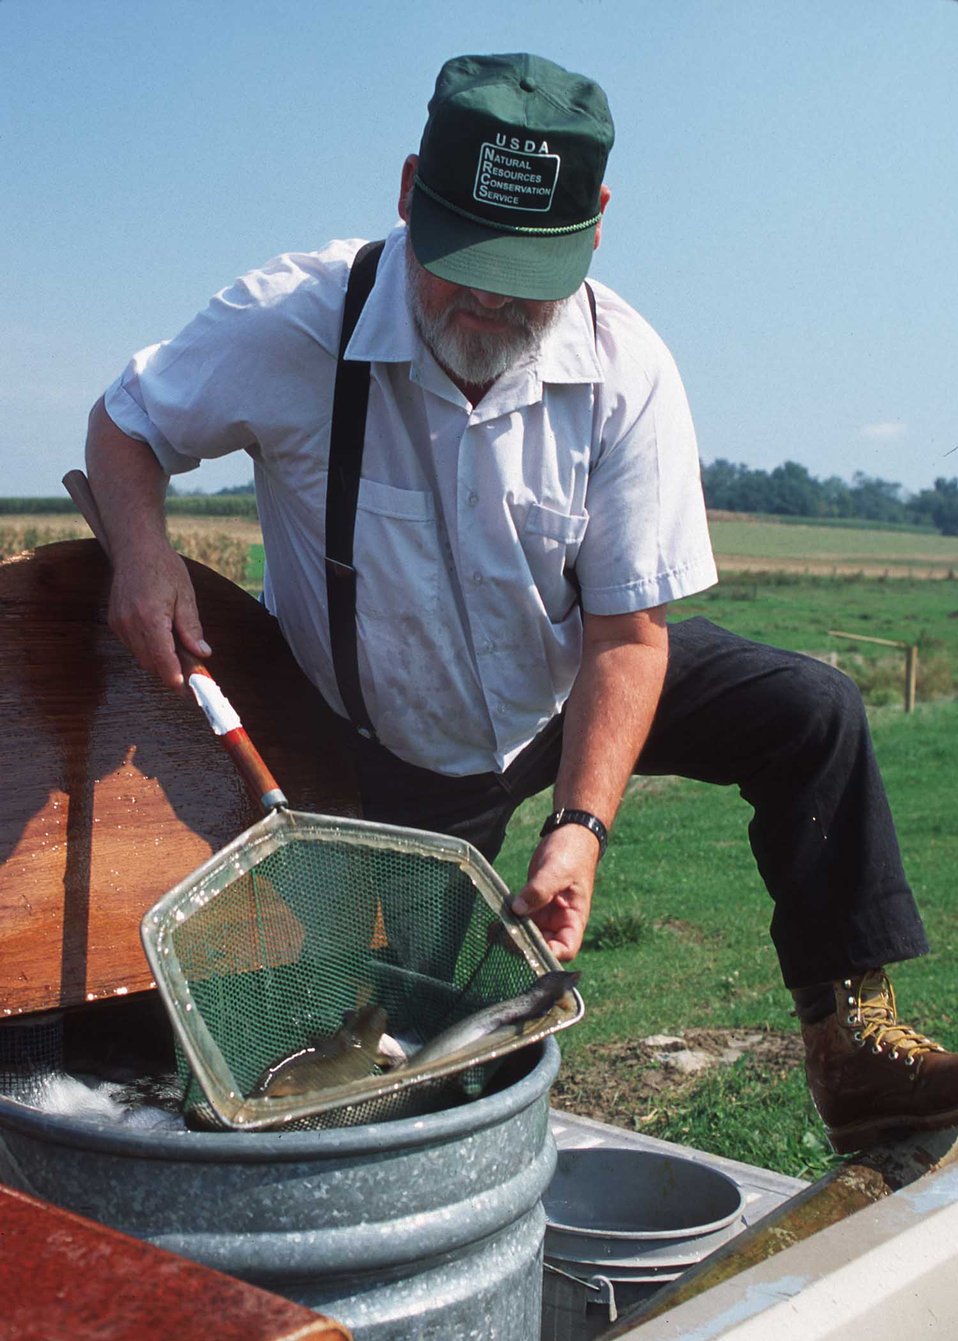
565, 816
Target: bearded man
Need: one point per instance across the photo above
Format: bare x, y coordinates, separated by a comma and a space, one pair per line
478, 485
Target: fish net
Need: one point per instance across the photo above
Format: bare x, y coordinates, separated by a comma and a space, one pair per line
301, 923
30, 1049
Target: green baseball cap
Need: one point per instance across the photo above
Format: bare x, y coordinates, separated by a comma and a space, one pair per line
512, 159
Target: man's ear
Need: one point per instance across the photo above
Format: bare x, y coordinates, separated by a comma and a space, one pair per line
605, 195
408, 176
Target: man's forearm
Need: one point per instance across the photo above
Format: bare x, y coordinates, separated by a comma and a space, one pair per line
128, 484
609, 715
608, 718
152, 604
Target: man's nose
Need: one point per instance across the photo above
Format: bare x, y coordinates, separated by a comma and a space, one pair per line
490, 300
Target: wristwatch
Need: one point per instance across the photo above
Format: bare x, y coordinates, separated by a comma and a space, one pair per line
564, 816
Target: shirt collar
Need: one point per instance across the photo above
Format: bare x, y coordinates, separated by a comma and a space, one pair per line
385, 332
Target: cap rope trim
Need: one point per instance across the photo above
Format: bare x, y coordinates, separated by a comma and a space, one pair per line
525, 230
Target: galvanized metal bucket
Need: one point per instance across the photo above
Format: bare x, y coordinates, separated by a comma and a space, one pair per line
429, 1227
620, 1224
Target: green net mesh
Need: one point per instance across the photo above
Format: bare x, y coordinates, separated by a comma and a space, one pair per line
301, 923
31, 1049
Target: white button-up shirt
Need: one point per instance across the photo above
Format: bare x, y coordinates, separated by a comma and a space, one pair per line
471, 520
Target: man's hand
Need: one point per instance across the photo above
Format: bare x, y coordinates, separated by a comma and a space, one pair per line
558, 893
152, 608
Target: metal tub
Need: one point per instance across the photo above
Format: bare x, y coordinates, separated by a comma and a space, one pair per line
430, 1226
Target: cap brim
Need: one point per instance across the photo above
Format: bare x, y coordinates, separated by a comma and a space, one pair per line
456, 249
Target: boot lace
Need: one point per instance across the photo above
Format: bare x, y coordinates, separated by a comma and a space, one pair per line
873, 1017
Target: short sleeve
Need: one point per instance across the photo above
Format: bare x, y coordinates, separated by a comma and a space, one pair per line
248, 365
647, 540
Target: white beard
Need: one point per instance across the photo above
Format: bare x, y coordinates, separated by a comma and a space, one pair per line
475, 357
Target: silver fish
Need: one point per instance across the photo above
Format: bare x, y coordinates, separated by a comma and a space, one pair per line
351, 1053
508, 1019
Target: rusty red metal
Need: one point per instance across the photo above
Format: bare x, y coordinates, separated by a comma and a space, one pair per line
62, 1275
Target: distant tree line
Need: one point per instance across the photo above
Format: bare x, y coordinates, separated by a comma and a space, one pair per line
226, 503
238, 500
787, 491
238, 504
790, 491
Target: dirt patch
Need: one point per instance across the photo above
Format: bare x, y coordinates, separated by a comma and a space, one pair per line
686, 931
628, 1084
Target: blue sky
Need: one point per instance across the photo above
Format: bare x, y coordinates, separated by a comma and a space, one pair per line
784, 211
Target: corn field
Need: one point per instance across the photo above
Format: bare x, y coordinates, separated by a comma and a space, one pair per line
225, 553
19, 539
216, 548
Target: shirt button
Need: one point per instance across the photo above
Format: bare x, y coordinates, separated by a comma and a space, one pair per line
472, 499
477, 578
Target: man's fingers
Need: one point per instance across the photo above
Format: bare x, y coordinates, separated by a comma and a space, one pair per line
558, 892
526, 903
189, 630
562, 927
564, 948
167, 669
153, 648
153, 610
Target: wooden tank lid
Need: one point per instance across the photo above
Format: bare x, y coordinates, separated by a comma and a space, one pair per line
114, 788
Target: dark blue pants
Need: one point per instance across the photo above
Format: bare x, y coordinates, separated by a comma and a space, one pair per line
790, 733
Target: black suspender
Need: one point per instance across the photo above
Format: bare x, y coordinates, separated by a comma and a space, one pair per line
346, 434
590, 294
346, 437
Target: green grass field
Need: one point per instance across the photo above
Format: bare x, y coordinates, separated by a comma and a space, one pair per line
802, 612
797, 611
819, 547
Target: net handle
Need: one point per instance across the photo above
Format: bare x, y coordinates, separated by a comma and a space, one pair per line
223, 719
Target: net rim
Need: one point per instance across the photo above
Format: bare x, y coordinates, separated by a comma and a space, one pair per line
193, 893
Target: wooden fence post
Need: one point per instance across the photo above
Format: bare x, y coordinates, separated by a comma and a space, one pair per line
911, 676
911, 660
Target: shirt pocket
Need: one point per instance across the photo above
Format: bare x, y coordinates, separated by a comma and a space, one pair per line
550, 541
395, 551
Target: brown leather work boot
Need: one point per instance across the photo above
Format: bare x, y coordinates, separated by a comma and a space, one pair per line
871, 1075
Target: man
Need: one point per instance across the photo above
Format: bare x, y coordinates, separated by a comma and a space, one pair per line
485, 601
